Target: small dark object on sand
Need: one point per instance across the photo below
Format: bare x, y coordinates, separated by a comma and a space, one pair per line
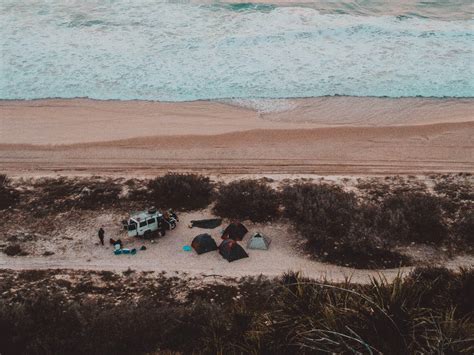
207, 223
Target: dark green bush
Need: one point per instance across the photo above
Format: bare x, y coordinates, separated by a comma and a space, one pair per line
338, 228
376, 190
59, 194
414, 217
14, 249
100, 194
428, 312
324, 211
8, 195
181, 191
247, 199
456, 191
464, 227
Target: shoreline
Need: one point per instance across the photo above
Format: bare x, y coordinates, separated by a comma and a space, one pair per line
87, 98
337, 135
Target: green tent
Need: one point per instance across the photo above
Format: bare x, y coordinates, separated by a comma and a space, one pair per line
259, 241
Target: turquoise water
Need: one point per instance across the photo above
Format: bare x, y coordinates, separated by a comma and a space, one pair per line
179, 51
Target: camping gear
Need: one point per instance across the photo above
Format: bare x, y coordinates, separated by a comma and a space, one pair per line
203, 243
187, 248
143, 247
231, 250
206, 223
259, 241
117, 246
117, 251
170, 219
133, 251
235, 231
115, 243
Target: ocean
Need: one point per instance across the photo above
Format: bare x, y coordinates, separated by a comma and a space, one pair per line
189, 50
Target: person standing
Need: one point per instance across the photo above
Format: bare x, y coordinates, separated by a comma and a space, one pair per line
101, 235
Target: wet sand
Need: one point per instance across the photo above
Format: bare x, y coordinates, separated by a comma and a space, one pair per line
321, 136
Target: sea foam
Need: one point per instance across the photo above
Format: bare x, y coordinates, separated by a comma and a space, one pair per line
178, 52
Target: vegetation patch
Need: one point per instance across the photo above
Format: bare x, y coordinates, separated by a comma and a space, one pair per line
62, 194
14, 250
413, 217
464, 227
430, 311
181, 191
8, 195
338, 228
247, 199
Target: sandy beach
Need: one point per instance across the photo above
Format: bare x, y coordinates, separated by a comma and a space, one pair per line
341, 135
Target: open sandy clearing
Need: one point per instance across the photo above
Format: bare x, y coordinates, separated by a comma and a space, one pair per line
76, 247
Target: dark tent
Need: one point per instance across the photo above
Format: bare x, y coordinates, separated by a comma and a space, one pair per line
203, 243
231, 250
235, 231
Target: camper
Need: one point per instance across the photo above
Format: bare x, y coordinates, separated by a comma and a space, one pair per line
146, 223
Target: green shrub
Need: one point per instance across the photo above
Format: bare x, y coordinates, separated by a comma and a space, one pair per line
464, 227
99, 194
430, 311
8, 195
376, 190
337, 228
414, 217
456, 191
181, 191
33, 275
59, 194
323, 211
14, 249
247, 199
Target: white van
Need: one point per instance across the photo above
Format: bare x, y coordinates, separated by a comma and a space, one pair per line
145, 223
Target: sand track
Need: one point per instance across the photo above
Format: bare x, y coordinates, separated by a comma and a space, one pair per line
314, 136
447, 147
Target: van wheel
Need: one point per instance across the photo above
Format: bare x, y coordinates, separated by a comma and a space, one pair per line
147, 234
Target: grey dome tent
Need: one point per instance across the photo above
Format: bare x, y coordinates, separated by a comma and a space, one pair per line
203, 243
259, 241
235, 231
231, 250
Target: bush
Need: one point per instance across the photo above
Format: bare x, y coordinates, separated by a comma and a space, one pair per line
8, 195
414, 217
63, 193
14, 249
376, 190
247, 199
440, 284
455, 190
99, 194
464, 227
181, 191
337, 228
326, 210
428, 312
